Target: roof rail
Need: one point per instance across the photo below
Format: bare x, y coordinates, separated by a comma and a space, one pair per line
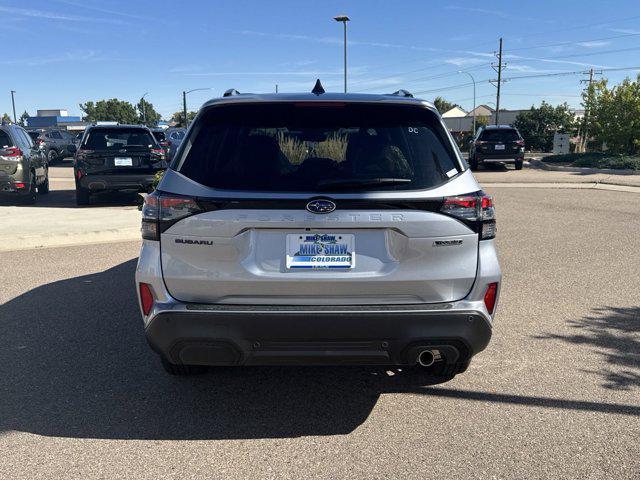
231, 92
403, 93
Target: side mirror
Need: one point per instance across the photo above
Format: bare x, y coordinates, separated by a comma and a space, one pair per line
72, 149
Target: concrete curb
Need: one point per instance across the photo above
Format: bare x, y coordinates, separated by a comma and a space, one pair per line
537, 163
566, 185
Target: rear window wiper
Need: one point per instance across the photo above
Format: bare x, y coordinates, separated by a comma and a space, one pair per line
361, 182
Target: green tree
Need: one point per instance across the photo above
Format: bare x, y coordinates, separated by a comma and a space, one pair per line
147, 114
178, 118
6, 118
112, 110
538, 125
443, 105
23, 118
613, 115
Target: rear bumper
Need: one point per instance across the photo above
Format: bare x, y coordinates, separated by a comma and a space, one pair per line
132, 181
270, 335
499, 157
8, 188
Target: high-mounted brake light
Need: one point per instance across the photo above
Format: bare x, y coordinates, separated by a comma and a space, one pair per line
146, 298
477, 211
161, 210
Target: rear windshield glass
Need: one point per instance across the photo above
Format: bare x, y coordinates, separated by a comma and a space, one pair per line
5, 139
159, 136
34, 135
502, 135
117, 138
177, 135
303, 147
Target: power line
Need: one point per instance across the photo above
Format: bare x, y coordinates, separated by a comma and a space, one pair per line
577, 42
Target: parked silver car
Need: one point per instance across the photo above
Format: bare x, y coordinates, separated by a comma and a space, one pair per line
318, 229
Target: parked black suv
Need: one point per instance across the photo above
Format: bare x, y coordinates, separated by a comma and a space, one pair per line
497, 144
112, 158
23, 167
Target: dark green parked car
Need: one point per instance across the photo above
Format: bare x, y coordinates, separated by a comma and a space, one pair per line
23, 166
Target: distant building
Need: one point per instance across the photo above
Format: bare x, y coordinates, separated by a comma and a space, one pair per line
56, 118
455, 112
457, 122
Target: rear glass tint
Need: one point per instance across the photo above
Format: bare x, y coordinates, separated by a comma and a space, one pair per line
303, 147
34, 135
117, 138
501, 135
5, 140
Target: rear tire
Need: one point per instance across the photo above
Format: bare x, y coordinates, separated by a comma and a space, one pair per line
518, 164
444, 371
43, 188
473, 163
30, 198
182, 370
83, 196
52, 157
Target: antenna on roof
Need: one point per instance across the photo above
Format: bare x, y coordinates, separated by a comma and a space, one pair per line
230, 92
403, 93
318, 88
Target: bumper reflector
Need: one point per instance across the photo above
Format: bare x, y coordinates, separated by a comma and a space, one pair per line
490, 297
146, 298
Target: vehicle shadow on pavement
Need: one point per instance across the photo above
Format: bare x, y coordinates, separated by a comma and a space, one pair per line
75, 364
67, 199
614, 332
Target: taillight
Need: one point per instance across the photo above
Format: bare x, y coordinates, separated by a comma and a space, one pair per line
490, 297
12, 152
164, 144
161, 210
476, 211
520, 143
146, 298
157, 151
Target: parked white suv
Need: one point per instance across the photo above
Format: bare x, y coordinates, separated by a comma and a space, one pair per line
318, 229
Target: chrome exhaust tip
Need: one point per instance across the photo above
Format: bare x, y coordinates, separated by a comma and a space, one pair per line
426, 358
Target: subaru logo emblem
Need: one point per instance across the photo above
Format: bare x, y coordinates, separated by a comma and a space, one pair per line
321, 206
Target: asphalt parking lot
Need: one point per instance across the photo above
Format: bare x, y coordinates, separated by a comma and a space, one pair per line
556, 394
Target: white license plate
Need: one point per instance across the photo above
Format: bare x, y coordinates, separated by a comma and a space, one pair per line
123, 161
499, 147
321, 250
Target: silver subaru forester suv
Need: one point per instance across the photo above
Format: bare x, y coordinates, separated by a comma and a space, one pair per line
318, 229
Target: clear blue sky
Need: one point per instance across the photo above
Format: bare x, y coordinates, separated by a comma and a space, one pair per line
58, 53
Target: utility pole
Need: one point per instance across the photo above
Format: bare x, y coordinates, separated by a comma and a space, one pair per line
13, 102
344, 19
144, 113
585, 133
184, 107
498, 68
276, 88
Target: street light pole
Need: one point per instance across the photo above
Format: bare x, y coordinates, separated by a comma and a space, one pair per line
344, 19
474, 99
144, 113
13, 102
184, 103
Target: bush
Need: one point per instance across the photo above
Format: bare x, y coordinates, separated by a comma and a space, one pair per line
596, 160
